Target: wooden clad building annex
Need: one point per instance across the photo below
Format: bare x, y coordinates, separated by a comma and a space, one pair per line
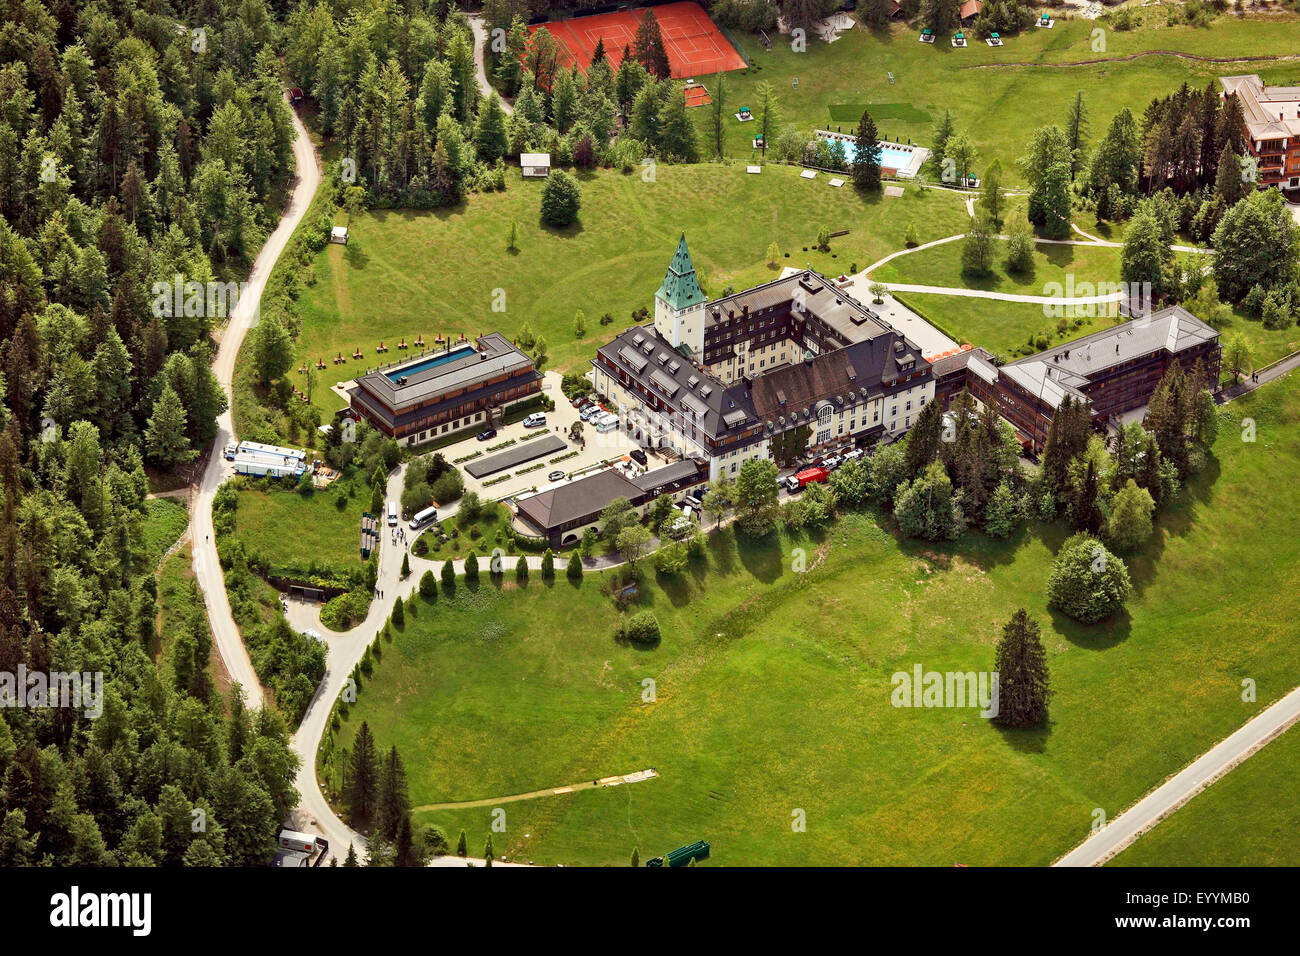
437, 393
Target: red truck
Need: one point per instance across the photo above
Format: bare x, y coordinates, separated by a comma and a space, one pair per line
801, 479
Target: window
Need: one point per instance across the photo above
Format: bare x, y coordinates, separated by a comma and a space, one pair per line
909, 406
893, 411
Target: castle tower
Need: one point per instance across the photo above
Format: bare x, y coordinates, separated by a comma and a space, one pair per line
679, 303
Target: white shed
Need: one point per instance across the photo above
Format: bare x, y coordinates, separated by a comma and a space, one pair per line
339, 234
535, 165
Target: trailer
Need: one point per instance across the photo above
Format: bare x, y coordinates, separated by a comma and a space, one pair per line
299, 842
683, 855
272, 451
259, 467
802, 479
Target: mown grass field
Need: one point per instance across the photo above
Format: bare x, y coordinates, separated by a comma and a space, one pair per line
1000, 327
287, 528
998, 95
1248, 818
773, 687
165, 520
405, 273
1053, 263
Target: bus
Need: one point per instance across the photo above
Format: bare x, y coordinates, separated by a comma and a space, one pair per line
424, 517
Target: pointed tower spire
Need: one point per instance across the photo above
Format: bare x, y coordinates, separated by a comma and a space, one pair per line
681, 289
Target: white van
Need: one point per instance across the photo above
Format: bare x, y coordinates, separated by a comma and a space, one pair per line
392, 514
424, 517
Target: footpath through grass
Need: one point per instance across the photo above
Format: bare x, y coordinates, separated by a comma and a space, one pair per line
771, 688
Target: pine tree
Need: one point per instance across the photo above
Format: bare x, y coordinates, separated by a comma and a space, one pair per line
164, 437
636, 857
1023, 682
428, 586
488, 856
471, 568
461, 848
598, 54
521, 571
648, 46
548, 565
399, 613
362, 789
1076, 133
573, 570
351, 859
1167, 417
866, 154
448, 576
924, 438
405, 844
393, 801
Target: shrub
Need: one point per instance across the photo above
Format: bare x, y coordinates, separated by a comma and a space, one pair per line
471, 568
448, 576
548, 565
1087, 582
448, 487
342, 612
641, 628
561, 199
406, 567
573, 571
521, 571
428, 586
399, 613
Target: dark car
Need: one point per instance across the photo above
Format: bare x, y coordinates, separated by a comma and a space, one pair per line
487, 433
639, 457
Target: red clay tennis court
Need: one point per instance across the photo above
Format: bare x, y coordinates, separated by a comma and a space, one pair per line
695, 45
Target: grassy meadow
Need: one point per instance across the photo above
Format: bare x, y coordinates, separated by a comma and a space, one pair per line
772, 687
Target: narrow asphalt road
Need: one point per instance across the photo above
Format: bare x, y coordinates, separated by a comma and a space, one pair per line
1185, 784
207, 567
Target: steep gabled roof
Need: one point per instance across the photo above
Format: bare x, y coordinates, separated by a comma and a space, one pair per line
680, 288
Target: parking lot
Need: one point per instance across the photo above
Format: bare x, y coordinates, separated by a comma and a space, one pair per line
595, 449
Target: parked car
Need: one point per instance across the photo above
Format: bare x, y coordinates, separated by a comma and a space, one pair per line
586, 412
487, 433
639, 457
555, 476
853, 455
833, 462
579, 401
535, 420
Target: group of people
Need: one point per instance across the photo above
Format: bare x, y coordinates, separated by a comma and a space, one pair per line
399, 534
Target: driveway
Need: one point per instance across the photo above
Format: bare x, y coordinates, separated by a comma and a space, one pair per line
207, 567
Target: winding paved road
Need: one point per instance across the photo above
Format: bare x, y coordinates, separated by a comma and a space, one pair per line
207, 567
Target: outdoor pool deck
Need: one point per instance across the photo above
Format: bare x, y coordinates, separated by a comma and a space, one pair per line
898, 160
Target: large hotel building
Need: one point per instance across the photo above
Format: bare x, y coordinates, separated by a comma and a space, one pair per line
1272, 116
791, 368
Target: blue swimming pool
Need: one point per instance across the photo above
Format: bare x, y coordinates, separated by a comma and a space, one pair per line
891, 156
432, 361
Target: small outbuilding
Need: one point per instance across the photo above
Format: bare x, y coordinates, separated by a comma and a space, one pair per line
339, 234
535, 165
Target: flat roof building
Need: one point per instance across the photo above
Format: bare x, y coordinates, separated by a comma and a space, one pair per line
435, 393
1114, 371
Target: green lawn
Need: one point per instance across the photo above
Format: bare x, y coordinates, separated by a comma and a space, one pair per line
164, 521
1053, 263
405, 274
1248, 818
999, 95
287, 529
773, 687
1004, 328
482, 536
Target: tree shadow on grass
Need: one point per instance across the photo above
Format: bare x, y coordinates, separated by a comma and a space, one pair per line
1101, 636
355, 256
571, 231
1025, 740
763, 558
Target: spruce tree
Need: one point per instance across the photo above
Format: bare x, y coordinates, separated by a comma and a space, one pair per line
1023, 681
461, 849
406, 566
362, 789
648, 46
636, 857
866, 154
405, 844
399, 613
924, 438
573, 570
448, 576
521, 571
393, 801
488, 856
548, 565
351, 858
